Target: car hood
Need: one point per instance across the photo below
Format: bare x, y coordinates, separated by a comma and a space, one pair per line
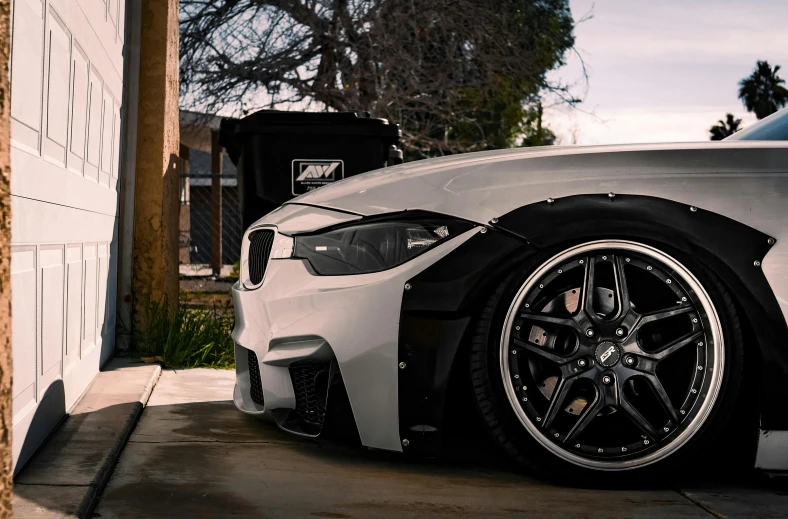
485, 185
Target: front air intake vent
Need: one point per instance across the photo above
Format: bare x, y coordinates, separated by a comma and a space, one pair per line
310, 385
260, 243
255, 381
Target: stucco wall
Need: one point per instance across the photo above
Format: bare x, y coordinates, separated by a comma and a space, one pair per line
155, 256
5, 264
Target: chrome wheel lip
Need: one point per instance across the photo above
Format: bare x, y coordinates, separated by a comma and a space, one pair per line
716, 372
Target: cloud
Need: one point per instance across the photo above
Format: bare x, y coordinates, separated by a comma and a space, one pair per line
638, 124
667, 70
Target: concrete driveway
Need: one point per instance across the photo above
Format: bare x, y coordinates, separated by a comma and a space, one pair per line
193, 455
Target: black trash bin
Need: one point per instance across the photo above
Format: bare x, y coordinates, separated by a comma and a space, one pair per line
280, 155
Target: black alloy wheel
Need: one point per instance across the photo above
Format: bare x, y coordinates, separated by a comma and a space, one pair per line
611, 356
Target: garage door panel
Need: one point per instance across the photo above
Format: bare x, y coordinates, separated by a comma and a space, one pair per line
52, 284
23, 329
101, 303
121, 21
26, 72
73, 305
58, 72
94, 125
90, 276
107, 120
116, 132
79, 109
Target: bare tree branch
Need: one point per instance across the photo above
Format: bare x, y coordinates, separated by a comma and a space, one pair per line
455, 74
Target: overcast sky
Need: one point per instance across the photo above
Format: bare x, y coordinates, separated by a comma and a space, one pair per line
666, 70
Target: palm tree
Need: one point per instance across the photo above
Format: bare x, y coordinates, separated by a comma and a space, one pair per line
762, 92
725, 128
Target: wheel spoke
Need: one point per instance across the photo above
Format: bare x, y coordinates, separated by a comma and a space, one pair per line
549, 319
664, 314
674, 346
559, 396
622, 290
662, 396
637, 418
539, 351
587, 300
589, 413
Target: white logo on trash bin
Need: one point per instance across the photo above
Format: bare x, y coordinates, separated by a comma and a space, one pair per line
318, 171
312, 174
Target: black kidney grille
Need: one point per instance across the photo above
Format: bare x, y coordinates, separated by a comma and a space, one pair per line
260, 243
310, 384
255, 381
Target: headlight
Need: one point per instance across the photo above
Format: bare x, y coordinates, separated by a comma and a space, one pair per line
373, 247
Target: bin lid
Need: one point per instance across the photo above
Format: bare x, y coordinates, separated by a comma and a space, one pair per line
280, 122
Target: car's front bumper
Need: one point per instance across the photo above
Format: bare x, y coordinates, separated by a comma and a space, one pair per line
296, 318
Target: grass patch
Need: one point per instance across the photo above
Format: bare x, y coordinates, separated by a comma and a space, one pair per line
189, 338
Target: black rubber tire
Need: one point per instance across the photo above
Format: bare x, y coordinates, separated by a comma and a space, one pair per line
699, 454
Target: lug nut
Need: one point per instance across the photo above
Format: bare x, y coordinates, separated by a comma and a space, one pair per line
629, 361
607, 379
621, 332
590, 332
581, 363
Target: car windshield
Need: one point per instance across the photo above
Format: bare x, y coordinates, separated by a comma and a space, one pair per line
772, 128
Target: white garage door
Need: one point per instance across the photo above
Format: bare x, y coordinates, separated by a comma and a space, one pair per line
66, 93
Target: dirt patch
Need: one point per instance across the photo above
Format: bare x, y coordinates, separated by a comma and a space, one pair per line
207, 293
213, 285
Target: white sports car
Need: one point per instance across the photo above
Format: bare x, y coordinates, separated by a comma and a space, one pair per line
613, 309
